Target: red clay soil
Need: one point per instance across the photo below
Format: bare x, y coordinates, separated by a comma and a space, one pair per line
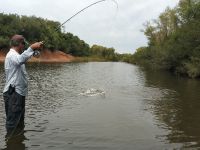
2, 55
46, 56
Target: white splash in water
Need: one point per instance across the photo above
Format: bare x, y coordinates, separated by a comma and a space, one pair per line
93, 92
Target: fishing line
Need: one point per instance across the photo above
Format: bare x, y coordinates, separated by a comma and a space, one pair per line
84, 10
37, 53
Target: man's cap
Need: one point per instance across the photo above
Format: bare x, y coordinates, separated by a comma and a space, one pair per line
18, 38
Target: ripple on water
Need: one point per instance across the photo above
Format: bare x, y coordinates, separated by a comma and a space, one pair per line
65, 110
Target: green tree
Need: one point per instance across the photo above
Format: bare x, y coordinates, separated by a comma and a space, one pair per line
173, 40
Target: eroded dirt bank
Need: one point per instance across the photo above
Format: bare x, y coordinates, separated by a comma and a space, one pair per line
46, 56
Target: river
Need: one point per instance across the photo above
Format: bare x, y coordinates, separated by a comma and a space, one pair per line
106, 106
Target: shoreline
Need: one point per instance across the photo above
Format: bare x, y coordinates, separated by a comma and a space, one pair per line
46, 56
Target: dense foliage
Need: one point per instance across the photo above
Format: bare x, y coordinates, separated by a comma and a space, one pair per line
174, 40
36, 29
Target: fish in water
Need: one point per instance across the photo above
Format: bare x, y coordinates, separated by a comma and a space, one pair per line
93, 92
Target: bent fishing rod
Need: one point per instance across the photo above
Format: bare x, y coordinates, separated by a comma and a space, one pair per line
83, 10
100, 1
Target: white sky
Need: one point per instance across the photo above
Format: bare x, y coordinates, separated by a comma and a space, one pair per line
101, 24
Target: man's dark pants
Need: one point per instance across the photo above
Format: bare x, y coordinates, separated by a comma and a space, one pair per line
15, 111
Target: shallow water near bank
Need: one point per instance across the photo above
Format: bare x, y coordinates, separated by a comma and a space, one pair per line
107, 106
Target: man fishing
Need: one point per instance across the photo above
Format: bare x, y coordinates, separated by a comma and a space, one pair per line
16, 85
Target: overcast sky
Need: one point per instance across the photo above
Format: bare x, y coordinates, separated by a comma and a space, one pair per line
102, 24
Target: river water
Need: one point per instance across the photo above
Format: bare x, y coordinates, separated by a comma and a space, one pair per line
106, 106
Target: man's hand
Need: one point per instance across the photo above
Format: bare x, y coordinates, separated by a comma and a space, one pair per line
37, 45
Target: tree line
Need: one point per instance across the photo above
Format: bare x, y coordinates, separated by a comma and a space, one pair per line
173, 40
36, 29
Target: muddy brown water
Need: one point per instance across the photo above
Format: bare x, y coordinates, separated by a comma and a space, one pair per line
132, 108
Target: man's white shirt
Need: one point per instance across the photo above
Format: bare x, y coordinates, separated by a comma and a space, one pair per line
15, 71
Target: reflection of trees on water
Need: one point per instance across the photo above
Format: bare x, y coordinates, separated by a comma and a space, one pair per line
179, 109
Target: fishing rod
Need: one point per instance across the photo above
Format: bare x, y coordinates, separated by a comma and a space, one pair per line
100, 1
37, 53
83, 10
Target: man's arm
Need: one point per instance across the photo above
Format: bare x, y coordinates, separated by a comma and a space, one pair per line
21, 59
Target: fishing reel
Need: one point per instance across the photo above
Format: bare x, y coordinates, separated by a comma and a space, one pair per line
36, 54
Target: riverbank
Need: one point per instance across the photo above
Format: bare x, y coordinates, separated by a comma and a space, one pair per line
46, 56
89, 59
56, 56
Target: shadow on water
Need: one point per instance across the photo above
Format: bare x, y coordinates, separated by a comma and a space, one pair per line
16, 143
178, 112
